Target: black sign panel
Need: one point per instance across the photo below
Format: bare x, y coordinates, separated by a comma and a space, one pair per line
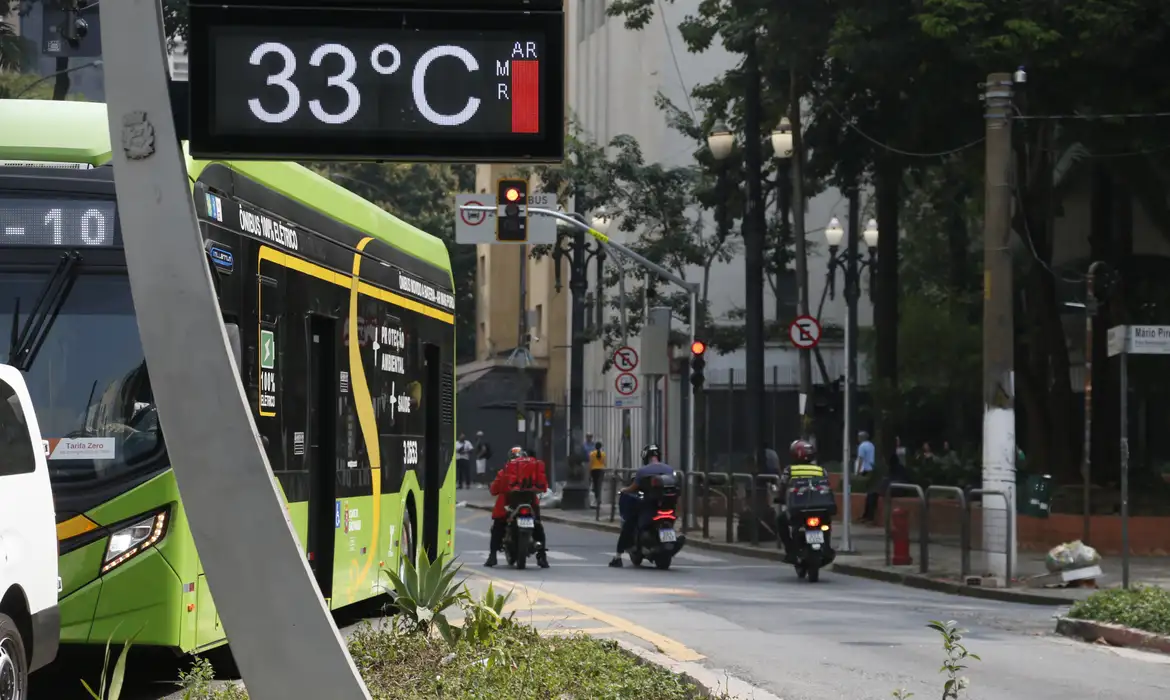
51, 222
361, 82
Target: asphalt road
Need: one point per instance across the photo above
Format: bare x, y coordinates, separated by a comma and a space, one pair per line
840, 639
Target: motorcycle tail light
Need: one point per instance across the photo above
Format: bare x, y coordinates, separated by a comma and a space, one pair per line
813, 522
825, 528
525, 511
664, 515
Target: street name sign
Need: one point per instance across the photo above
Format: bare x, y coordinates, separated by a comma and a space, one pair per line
1139, 340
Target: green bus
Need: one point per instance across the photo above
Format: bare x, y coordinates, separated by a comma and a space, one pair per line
342, 321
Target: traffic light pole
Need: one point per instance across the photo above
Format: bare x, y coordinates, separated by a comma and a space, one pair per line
691, 288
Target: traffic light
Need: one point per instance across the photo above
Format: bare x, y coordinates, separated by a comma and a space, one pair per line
512, 224
698, 363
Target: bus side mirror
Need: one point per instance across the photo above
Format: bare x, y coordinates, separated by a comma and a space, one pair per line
233, 334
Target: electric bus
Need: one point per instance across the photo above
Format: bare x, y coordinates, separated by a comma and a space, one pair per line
341, 318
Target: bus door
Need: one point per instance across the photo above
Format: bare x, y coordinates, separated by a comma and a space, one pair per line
322, 451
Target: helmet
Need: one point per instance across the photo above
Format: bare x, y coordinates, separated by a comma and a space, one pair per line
802, 450
649, 451
516, 453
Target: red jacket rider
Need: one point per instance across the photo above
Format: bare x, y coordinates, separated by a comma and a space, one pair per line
519, 472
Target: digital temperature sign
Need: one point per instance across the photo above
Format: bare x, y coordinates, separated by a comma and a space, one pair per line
418, 84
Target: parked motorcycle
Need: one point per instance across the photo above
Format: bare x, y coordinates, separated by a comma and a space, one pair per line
519, 537
656, 539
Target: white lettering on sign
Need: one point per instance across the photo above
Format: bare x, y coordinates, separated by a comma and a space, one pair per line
267, 228
523, 50
267, 389
425, 291
393, 363
392, 337
410, 452
404, 403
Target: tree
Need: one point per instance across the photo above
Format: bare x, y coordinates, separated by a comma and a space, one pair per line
422, 195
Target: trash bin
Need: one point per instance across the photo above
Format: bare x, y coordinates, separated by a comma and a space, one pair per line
1035, 498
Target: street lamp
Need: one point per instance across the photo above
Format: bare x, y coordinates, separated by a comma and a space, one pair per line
720, 141
851, 262
782, 139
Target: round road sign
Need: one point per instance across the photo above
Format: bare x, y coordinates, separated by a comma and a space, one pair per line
472, 217
625, 359
805, 332
626, 384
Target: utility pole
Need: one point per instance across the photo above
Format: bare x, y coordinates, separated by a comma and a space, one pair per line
754, 227
1092, 304
627, 446
575, 495
798, 233
999, 413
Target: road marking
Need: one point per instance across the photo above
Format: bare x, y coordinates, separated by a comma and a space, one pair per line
665, 645
699, 558
553, 555
669, 591
473, 533
564, 617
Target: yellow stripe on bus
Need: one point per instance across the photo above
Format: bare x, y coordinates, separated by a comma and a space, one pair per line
77, 525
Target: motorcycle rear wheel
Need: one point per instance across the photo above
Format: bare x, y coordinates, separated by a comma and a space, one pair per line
814, 574
523, 545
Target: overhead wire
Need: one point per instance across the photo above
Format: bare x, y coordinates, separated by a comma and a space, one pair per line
899, 151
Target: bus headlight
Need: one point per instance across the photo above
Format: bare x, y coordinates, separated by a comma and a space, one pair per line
127, 542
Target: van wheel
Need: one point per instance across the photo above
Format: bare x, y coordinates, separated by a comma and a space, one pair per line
13, 662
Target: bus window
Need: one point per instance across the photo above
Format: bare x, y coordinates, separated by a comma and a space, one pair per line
16, 449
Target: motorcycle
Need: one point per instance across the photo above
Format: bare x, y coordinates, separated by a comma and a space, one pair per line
519, 536
657, 540
811, 539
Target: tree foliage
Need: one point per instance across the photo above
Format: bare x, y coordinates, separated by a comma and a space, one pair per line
422, 195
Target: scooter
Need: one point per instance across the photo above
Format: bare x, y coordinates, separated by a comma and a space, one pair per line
812, 542
519, 536
657, 541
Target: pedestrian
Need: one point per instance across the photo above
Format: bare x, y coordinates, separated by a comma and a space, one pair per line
483, 452
463, 449
864, 466
771, 461
597, 463
587, 446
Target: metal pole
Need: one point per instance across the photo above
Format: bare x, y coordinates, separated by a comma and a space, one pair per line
272, 610
627, 457
999, 413
1087, 457
522, 426
1124, 469
754, 228
798, 234
575, 495
852, 295
688, 422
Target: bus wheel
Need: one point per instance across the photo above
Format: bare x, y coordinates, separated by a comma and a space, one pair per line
13, 661
405, 544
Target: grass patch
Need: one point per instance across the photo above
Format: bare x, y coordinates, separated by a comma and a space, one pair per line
1145, 608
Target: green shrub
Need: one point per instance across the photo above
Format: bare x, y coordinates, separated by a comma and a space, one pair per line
423, 595
198, 683
1143, 607
112, 690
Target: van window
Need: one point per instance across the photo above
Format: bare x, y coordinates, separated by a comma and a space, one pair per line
16, 449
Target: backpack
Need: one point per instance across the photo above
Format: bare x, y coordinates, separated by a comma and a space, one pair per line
487, 451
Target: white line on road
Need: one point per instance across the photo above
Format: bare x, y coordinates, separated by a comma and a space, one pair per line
699, 558
553, 555
473, 533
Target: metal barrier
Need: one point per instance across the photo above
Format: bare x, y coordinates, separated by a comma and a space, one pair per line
964, 524
614, 476
765, 479
1008, 507
710, 479
732, 490
922, 529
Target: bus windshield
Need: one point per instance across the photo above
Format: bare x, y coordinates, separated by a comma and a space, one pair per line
88, 382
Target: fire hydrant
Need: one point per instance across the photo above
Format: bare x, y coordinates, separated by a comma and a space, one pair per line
900, 535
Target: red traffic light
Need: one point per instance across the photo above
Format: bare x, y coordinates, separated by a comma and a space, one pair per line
698, 347
512, 194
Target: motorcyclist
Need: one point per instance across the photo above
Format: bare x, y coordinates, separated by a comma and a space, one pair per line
520, 472
803, 465
630, 504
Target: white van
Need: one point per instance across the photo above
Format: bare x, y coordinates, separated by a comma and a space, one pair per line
30, 625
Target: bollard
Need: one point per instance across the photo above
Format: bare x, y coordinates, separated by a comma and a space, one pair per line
900, 534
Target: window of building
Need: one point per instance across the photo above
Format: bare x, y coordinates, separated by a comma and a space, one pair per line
538, 324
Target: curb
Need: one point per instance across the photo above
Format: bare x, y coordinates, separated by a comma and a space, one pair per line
1113, 635
950, 587
708, 683
605, 526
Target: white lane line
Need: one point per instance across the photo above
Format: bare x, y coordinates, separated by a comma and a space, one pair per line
699, 558
473, 533
553, 555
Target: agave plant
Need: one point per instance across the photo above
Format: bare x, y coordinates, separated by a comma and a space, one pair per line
423, 595
113, 690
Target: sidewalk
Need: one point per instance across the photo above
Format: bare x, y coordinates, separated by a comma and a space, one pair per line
867, 560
